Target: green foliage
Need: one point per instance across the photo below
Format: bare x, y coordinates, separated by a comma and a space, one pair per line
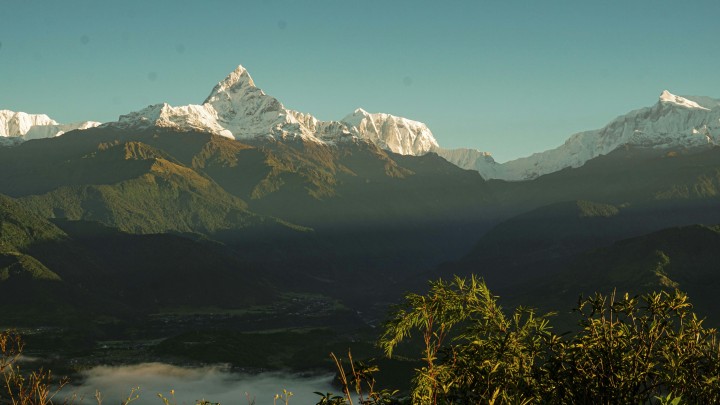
18, 265
594, 209
329, 398
18, 388
20, 228
284, 398
669, 400
361, 380
493, 357
631, 350
169, 197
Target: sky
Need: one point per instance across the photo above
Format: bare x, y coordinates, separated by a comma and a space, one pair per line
507, 77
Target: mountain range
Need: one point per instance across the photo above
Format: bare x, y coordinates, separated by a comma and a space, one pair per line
236, 201
16, 127
674, 121
238, 109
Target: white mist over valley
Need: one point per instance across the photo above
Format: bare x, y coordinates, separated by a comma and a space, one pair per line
213, 383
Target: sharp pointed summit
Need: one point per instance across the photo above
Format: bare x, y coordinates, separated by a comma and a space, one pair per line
237, 108
236, 80
667, 97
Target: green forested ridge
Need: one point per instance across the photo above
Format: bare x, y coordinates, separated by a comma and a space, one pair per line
20, 228
76, 268
116, 226
374, 213
683, 257
18, 265
540, 243
349, 184
100, 174
158, 194
370, 213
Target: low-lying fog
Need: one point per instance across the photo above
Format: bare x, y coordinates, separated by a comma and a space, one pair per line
215, 384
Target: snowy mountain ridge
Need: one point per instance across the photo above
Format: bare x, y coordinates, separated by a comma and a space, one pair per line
667, 97
16, 127
674, 121
238, 109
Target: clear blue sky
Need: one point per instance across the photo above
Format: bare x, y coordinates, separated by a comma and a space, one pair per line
507, 77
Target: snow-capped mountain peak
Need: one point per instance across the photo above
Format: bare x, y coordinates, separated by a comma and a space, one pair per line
667, 97
234, 82
13, 124
237, 108
355, 117
18, 126
398, 134
673, 121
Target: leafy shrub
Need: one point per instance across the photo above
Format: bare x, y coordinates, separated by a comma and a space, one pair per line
34, 388
635, 349
631, 350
